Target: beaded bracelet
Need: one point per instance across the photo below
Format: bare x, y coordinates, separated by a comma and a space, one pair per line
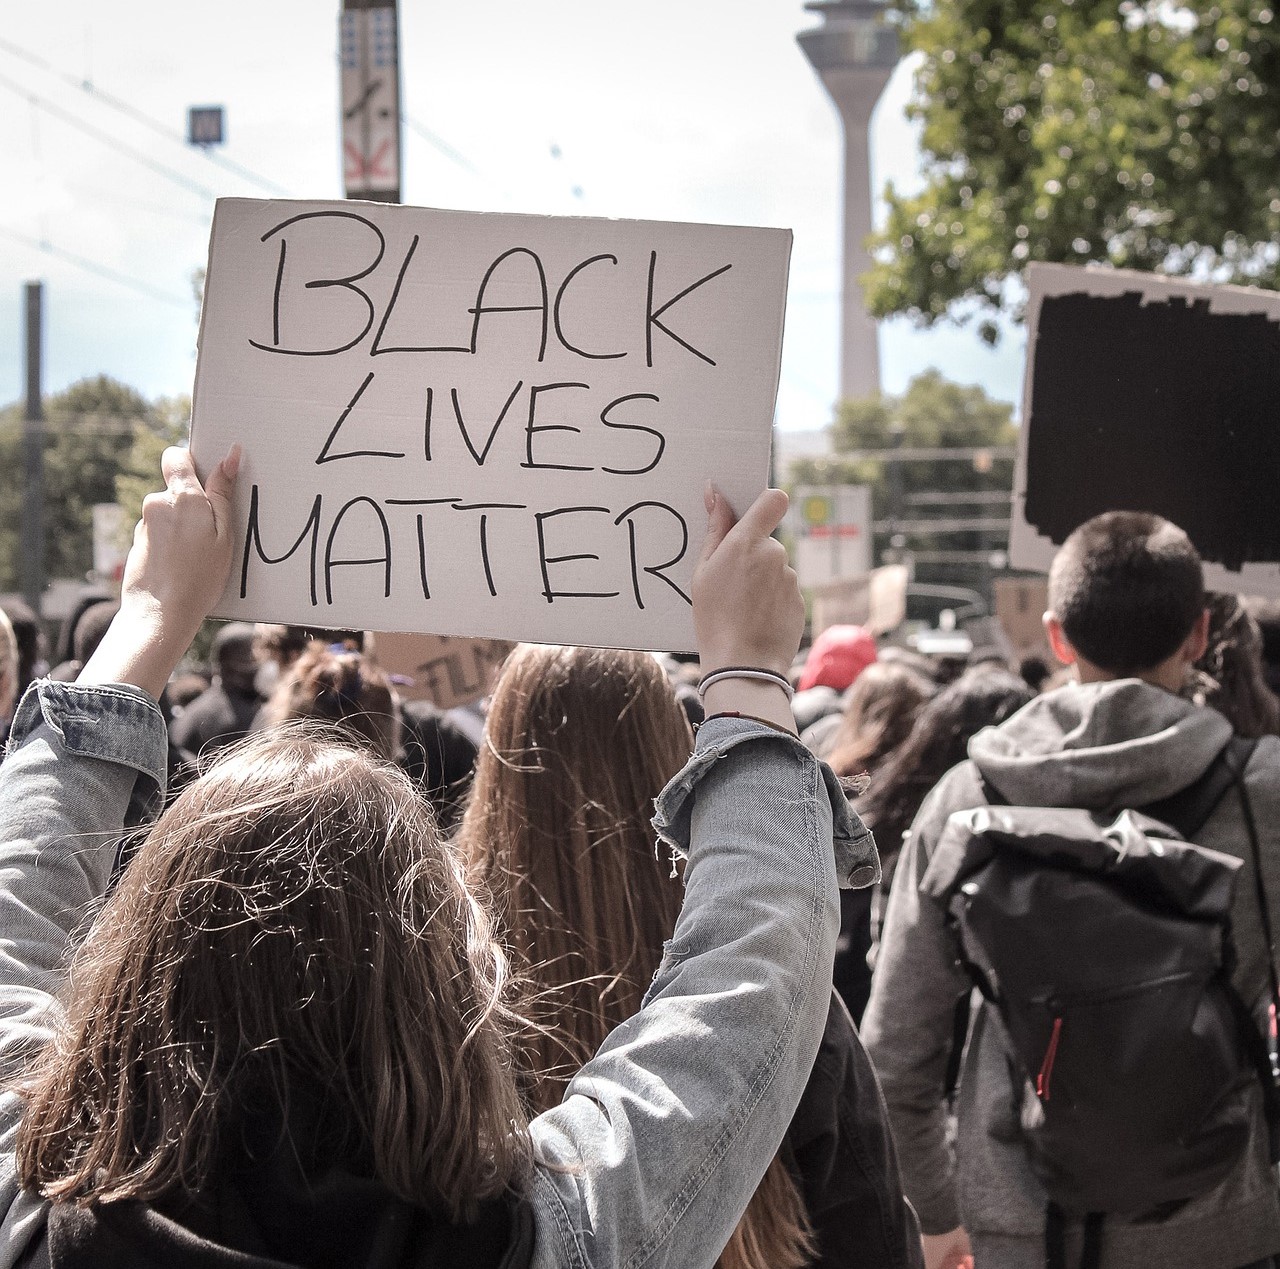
746, 672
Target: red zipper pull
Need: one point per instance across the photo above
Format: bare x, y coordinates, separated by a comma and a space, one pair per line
1046, 1067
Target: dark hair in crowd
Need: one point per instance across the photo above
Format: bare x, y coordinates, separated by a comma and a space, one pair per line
1231, 677
578, 743
879, 711
340, 687
293, 934
981, 697
1127, 588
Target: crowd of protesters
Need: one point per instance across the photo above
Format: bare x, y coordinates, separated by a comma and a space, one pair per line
297, 971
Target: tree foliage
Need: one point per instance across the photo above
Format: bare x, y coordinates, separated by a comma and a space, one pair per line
1146, 135
91, 434
932, 413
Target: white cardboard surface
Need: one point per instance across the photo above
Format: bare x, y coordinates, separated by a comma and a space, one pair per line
558, 525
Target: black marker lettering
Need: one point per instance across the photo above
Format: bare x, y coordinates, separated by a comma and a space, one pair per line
347, 283
481, 455
253, 538
531, 428
422, 536
652, 314
484, 531
377, 349
384, 559
564, 286
655, 570
481, 308
275, 298
326, 457
426, 424
545, 560
634, 427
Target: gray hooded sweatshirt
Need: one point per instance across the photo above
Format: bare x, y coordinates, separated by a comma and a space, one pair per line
1101, 746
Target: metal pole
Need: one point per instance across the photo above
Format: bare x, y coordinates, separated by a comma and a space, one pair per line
31, 550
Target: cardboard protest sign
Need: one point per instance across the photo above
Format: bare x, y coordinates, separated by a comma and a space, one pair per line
1020, 604
442, 669
1149, 394
876, 600
487, 425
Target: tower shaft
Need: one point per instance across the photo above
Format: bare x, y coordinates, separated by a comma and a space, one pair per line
854, 53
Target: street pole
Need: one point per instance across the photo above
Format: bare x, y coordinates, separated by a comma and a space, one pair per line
31, 539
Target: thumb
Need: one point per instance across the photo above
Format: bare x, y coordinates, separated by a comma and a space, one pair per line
720, 519
178, 470
221, 484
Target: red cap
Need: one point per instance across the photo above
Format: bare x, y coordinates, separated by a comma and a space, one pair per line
839, 654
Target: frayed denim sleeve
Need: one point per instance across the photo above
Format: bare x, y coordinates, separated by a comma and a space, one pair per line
78, 759
663, 1136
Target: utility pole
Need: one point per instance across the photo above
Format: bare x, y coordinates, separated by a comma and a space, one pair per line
31, 540
369, 57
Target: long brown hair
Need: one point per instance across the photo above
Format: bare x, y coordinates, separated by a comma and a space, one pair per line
293, 929
343, 687
578, 743
881, 707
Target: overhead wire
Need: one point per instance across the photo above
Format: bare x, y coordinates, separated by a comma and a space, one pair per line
154, 165
102, 270
123, 107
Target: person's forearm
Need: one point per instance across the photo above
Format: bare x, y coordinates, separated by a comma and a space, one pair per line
671, 1126
77, 757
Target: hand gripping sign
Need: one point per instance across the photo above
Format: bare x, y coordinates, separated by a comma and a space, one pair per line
474, 424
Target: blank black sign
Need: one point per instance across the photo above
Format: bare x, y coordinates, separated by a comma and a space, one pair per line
1162, 406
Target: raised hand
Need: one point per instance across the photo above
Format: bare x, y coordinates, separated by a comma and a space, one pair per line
747, 607
176, 571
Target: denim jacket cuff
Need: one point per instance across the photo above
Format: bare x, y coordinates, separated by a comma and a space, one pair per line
115, 723
856, 860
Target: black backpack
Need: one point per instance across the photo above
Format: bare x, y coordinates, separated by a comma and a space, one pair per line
1104, 942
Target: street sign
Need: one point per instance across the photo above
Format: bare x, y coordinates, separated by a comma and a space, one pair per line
831, 526
368, 53
204, 126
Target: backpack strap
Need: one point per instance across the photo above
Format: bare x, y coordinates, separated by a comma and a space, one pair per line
1055, 1239
1189, 809
1270, 1069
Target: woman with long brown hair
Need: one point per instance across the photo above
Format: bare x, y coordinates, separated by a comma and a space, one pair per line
578, 743
284, 1039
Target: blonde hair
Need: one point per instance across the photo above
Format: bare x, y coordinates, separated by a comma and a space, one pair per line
293, 929
8, 666
578, 743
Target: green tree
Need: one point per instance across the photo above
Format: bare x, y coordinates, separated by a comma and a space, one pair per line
932, 413
1145, 134
139, 474
90, 431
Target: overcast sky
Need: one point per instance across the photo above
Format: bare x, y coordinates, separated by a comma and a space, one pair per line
702, 110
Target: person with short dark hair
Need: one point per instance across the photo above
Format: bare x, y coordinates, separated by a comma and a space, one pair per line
1127, 610
226, 711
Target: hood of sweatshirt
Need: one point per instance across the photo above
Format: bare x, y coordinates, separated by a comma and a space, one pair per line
1099, 746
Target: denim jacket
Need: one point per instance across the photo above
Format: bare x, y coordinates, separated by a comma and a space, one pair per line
663, 1136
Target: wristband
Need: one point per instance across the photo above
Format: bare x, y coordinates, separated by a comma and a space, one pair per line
746, 672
